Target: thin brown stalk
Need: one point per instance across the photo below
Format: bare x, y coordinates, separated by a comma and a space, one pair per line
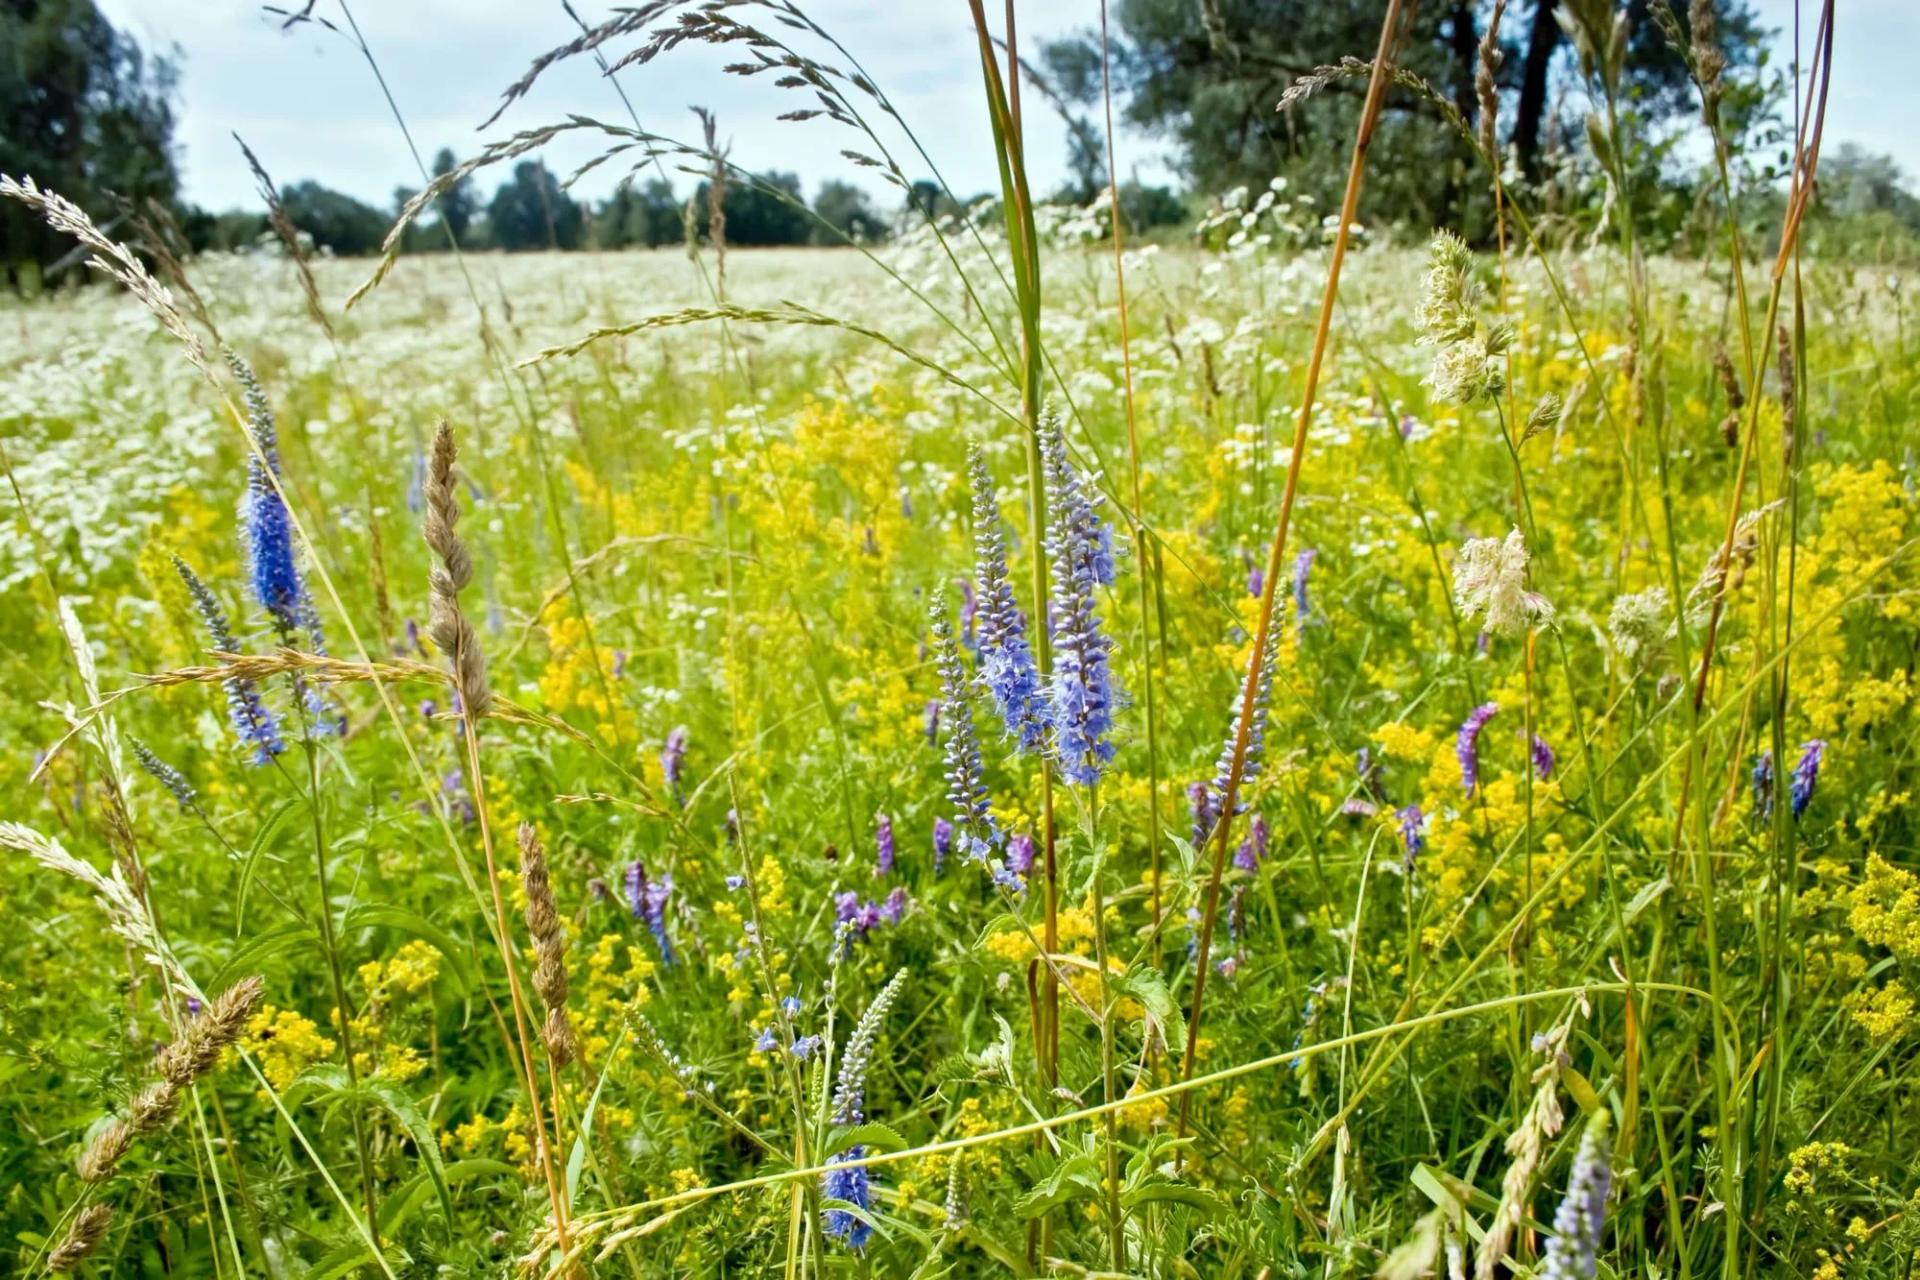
449, 628
1391, 34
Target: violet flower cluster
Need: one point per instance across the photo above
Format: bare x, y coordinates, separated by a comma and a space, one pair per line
252, 722
852, 1186
1007, 669
1079, 545
647, 899
1574, 1247
965, 769
1467, 745
673, 757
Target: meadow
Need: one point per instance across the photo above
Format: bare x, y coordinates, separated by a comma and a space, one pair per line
841, 777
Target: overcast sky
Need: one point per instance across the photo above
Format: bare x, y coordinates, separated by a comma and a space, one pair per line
309, 106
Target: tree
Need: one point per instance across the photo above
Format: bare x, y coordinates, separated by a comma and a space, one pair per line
336, 221
646, 216
849, 212
769, 209
457, 203
85, 112
531, 211
1209, 74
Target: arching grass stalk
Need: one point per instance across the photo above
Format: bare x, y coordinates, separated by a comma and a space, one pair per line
1391, 34
1145, 564
1009, 154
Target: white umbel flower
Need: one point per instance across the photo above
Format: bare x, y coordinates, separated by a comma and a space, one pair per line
1490, 578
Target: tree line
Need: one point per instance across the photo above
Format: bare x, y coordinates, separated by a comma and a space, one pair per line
88, 113
531, 210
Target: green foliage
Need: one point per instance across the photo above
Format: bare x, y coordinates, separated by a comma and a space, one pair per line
86, 112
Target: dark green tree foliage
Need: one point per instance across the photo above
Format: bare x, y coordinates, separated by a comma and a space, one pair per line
532, 211
850, 214
458, 204
84, 112
336, 221
1209, 74
641, 217
769, 209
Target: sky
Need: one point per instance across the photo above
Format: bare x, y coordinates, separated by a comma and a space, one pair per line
309, 105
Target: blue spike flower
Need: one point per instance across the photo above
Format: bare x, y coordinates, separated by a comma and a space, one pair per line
966, 772
648, 899
852, 1185
1081, 695
1007, 668
1543, 760
255, 726
1806, 775
1763, 785
1574, 1248
1208, 797
1412, 834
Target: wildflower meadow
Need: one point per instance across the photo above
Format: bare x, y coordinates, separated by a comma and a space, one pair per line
1297, 747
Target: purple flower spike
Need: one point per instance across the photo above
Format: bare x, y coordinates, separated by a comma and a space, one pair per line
1020, 854
1412, 833
673, 754
1806, 775
1763, 786
933, 722
883, 844
942, 843
648, 899
1079, 548
1573, 1249
1467, 745
1007, 668
1542, 758
1253, 850
1301, 564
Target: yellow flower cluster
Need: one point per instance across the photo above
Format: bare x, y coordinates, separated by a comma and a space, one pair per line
1807, 1164
1886, 908
285, 1043
1884, 1013
579, 677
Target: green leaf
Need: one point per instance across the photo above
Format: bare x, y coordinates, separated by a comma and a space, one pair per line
251, 957
402, 1107
877, 1136
1171, 1193
1077, 1174
578, 1156
1643, 899
255, 851
1149, 986
400, 1205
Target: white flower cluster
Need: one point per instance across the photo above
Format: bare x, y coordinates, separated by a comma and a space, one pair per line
1490, 578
